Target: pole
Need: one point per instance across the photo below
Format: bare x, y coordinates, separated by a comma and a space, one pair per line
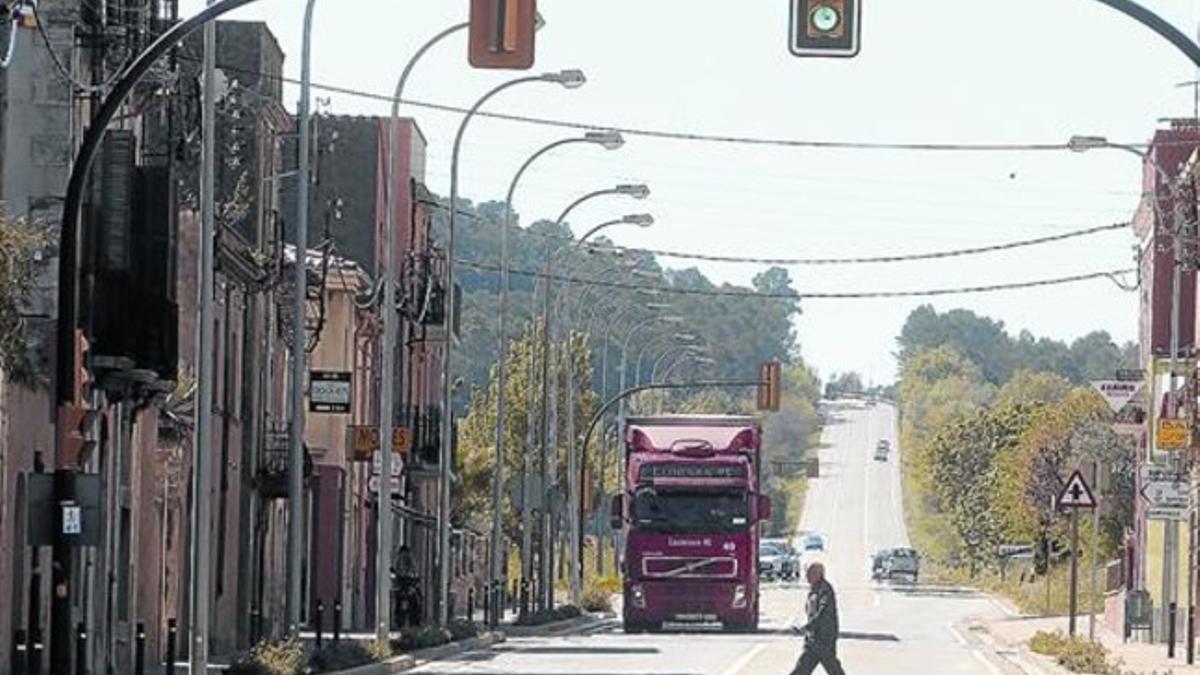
573, 480
446, 454
198, 623
387, 394
1095, 554
545, 578
1074, 569
299, 338
1170, 591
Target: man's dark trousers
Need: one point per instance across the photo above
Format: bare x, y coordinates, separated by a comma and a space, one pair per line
822, 655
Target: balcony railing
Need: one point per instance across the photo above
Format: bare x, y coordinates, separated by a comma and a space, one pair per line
272, 475
426, 426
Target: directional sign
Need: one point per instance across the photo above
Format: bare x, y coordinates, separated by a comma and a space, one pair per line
1173, 434
377, 464
373, 485
1076, 494
1166, 492
1117, 393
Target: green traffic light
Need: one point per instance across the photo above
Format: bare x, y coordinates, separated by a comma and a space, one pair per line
825, 18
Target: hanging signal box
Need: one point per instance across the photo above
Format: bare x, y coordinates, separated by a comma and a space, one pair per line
826, 28
502, 34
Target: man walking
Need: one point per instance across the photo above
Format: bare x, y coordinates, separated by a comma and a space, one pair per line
821, 631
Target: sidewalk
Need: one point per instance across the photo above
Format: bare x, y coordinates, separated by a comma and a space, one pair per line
1138, 658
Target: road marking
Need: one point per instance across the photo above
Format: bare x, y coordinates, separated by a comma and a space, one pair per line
958, 637
744, 660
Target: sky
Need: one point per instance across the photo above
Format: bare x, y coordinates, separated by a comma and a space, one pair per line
1020, 71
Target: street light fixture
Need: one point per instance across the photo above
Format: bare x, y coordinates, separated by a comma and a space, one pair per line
569, 79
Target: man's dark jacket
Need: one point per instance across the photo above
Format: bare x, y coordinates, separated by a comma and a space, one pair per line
821, 631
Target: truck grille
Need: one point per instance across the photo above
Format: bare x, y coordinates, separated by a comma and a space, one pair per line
689, 567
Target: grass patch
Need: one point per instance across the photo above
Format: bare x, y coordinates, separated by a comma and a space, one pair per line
1075, 654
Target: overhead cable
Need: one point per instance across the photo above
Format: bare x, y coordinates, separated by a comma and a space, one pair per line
864, 260
678, 135
808, 295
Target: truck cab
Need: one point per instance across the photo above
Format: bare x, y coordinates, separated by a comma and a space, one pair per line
689, 512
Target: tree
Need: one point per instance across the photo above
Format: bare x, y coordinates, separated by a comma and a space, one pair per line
22, 246
1027, 386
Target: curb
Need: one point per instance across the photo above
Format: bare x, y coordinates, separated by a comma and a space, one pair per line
399, 664
577, 624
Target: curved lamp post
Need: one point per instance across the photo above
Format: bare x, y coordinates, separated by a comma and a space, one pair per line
570, 79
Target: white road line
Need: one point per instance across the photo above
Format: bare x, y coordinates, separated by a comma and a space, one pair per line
958, 637
744, 660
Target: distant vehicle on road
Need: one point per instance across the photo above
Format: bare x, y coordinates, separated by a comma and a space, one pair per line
777, 560
882, 450
814, 542
896, 563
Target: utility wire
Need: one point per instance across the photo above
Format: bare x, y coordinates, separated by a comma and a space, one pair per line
865, 295
678, 135
863, 260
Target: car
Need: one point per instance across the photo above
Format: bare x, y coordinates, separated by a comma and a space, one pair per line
896, 563
777, 560
814, 542
882, 450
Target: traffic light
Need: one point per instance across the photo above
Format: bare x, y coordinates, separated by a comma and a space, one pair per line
826, 28
502, 34
770, 383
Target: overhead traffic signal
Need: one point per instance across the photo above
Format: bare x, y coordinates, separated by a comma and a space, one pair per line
502, 34
770, 385
826, 28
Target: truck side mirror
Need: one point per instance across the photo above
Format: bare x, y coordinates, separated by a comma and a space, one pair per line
616, 513
764, 507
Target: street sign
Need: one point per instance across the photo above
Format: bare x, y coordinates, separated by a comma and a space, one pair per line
364, 441
1131, 375
1014, 550
1166, 492
72, 518
1117, 393
1076, 494
373, 485
78, 521
377, 464
1173, 434
503, 34
329, 392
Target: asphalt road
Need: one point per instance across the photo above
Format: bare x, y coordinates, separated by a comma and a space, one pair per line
889, 629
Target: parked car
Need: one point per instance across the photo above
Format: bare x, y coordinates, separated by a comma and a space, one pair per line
777, 560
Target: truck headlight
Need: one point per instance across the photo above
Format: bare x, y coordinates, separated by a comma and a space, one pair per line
739, 597
639, 596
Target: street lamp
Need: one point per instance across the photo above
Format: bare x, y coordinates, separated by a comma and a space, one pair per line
609, 140
679, 338
681, 350
1083, 144
569, 79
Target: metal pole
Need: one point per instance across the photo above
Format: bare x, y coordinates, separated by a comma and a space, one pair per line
387, 394
545, 578
1095, 554
299, 338
445, 458
201, 447
1074, 592
573, 482
1171, 535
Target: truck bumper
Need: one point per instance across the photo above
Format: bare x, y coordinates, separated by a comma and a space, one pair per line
650, 604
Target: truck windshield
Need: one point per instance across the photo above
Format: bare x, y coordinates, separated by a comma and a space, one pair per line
690, 511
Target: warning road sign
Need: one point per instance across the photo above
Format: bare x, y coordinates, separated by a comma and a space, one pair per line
1076, 494
1117, 393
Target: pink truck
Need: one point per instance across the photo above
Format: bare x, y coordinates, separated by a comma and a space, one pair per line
689, 510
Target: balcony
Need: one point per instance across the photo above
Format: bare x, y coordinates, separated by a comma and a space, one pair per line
426, 426
271, 479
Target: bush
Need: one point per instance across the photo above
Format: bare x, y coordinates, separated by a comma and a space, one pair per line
610, 585
414, 639
596, 599
550, 616
347, 654
1075, 654
272, 658
462, 629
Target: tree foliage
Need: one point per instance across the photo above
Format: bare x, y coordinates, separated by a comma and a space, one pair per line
22, 246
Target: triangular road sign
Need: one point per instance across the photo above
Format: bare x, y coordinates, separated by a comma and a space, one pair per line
1117, 393
1076, 494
